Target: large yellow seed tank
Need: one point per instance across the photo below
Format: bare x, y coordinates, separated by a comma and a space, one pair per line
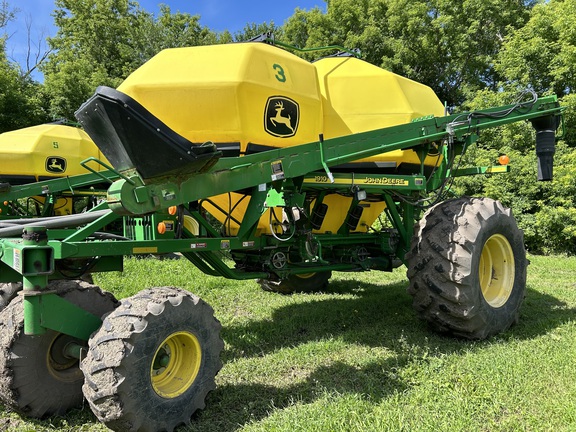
246, 95
250, 97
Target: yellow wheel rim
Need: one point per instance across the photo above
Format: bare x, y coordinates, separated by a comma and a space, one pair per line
305, 275
496, 270
176, 364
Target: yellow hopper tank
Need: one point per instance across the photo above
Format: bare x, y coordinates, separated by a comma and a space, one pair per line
359, 97
43, 152
242, 97
249, 97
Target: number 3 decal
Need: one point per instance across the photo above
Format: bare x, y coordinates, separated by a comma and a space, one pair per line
280, 75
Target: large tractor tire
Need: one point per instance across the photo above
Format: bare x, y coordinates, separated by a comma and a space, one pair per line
153, 361
37, 379
307, 282
8, 292
467, 268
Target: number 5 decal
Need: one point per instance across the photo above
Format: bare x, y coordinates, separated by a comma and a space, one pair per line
280, 75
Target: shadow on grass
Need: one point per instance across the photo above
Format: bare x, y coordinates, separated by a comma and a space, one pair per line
232, 406
74, 420
377, 316
380, 316
541, 313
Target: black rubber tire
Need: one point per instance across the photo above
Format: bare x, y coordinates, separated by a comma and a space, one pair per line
310, 282
119, 368
32, 382
8, 292
451, 243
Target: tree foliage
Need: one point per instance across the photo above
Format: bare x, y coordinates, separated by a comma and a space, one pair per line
449, 45
21, 99
100, 42
542, 53
473, 53
7, 13
253, 30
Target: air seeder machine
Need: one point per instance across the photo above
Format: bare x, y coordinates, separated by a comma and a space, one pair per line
251, 163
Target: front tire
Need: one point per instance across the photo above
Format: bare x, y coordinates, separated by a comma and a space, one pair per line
37, 379
467, 268
153, 361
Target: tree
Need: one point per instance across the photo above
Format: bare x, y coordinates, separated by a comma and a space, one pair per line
542, 54
252, 30
451, 45
100, 42
351, 24
7, 13
21, 99
446, 44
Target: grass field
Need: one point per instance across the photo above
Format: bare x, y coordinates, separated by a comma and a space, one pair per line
357, 358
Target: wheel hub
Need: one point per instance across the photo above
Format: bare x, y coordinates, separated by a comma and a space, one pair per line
496, 270
176, 364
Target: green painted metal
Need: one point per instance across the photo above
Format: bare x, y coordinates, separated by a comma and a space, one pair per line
369, 182
55, 313
262, 168
47, 187
285, 180
34, 265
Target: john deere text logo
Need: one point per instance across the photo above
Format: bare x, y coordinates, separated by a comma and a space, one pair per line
281, 116
55, 164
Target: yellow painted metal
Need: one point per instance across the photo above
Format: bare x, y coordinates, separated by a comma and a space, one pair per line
176, 364
44, 151
358, 97
496, 270
234, 94
338, 206
220, 93
191, 225
229, 209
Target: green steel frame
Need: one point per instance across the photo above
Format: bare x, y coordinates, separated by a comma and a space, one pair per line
282, 178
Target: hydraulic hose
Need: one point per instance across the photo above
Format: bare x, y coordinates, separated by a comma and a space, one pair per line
14, 227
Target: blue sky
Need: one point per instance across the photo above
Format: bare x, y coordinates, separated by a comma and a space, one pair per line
218, 15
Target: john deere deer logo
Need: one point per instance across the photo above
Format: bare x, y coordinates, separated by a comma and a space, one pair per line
281, 116
55, 164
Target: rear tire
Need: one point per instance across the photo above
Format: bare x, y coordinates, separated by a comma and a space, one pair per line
8, 292
308, 282
153, 361
36, 378
467, 268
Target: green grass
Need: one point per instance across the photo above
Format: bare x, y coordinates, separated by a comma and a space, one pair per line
357, 358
